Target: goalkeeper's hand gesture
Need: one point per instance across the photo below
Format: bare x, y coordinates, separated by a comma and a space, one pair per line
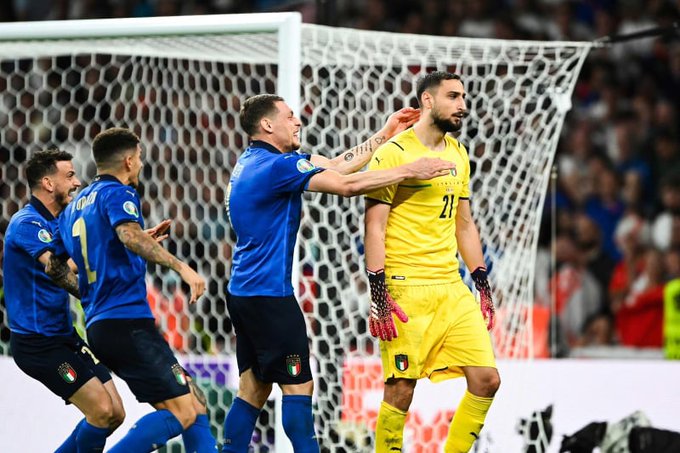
485, 301
380, 320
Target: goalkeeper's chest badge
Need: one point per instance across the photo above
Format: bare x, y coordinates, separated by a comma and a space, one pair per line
293, 364
401, 362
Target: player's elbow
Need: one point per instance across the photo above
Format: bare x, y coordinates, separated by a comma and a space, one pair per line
54, 268
351, 189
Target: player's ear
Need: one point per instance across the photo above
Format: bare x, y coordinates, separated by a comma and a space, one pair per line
266, 124
427, 99
47, 184
127, 161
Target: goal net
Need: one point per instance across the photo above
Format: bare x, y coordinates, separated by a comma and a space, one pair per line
181, 93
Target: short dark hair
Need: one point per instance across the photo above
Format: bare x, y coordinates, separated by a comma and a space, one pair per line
433, 79
44, 163
255, 108
110, 144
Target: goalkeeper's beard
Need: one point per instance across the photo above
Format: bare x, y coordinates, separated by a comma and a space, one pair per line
445, 124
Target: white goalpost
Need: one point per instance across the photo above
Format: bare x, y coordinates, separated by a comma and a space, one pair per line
178, 82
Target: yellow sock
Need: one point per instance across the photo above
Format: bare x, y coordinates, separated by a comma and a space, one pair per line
467, 423
389, 432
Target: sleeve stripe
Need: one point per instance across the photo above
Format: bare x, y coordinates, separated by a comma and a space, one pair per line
122, 221
308, 177
41, 251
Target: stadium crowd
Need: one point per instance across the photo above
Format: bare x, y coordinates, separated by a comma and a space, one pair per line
617, 197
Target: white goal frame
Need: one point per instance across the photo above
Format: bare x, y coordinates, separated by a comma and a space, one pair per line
396, 58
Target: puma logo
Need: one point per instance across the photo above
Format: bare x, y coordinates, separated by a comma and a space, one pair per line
377, 160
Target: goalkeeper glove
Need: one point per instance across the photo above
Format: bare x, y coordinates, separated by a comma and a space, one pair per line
380, 321
486, 303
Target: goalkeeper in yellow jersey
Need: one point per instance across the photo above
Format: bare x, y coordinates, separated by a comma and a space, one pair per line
414, 230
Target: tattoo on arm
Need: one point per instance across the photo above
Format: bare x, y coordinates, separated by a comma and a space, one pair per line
363, 148
198, 393
136, 240
62, 275
358, 156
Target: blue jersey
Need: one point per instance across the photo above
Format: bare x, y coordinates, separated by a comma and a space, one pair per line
264, 203
35, 305
111, 278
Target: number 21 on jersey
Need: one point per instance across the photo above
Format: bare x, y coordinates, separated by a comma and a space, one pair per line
447, 210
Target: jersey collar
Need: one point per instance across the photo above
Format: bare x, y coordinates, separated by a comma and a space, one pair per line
99, 178
40, 207
264, 145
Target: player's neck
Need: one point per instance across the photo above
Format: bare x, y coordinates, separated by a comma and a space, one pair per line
429, 135
121, 176
48, 200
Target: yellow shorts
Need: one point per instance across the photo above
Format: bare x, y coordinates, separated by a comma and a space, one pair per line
445, 331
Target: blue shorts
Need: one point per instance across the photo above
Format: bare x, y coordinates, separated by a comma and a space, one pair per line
271, 338
62, 363
138, 354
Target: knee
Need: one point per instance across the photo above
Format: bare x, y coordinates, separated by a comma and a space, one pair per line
103, 414
186, 416
399, 394
488, 384
256, 395
118, 417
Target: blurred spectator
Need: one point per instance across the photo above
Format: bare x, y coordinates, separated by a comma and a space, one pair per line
578, 294
598, 331
589, 243
564, 27
605, 206
639, 318
664, 229
632, 238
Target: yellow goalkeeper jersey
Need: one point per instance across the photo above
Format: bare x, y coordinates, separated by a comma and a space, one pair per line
420, 241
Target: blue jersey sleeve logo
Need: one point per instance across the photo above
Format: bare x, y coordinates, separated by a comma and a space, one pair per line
130, 208
305, 166
44, 236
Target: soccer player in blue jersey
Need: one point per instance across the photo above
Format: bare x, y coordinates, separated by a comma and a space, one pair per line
44, 343
102, 230
264, 201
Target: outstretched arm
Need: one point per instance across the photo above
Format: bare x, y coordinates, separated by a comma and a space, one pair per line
356, 158
358, 183
60, 272
470, 247
146, 246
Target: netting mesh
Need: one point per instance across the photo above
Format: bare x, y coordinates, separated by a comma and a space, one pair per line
182, 95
